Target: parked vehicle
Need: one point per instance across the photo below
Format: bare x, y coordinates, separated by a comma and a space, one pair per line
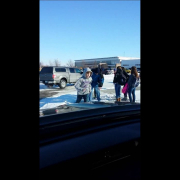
59, 75
108, 71
128, 70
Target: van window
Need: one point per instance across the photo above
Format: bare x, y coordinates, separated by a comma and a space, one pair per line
46, 70
60, 69
71, 70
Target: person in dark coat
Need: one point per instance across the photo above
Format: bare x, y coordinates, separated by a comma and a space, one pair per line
95, 97
133, 82
97, 83
102, 77
119, 80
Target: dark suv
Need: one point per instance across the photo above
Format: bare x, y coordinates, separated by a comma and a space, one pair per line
59, 75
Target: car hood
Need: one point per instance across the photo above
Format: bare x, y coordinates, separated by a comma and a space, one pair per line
72, 107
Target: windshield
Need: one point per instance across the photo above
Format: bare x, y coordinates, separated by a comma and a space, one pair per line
94, 37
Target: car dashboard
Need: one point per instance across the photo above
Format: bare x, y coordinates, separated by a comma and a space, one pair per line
99, 143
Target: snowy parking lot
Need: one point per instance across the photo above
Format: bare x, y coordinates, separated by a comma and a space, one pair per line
56, 96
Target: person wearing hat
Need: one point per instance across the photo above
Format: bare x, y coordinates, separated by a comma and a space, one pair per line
83, 86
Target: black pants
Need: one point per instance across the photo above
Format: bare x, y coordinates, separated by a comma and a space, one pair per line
85, 97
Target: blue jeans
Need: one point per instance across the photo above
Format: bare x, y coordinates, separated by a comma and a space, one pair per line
118, 90
85, 97
96, 88
131, 93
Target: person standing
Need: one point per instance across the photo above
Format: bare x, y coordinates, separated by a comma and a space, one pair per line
94, 92
102, 77
83, 86
119, 80
133, 82
97, 83
127, 77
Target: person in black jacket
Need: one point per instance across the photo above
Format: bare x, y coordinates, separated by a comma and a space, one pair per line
133, 82
102, 77
119, 80
95, 97
127, 76
99, 71
97, 83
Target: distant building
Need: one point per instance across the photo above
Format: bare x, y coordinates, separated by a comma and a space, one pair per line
92, 63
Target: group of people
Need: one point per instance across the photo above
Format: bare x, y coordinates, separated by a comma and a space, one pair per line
121, 78
89, 82
92, 80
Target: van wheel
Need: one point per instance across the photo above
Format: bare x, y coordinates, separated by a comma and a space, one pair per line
62, 83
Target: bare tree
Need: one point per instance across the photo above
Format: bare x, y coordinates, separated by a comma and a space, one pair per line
41, 64
50, 63
70, 63
57, 63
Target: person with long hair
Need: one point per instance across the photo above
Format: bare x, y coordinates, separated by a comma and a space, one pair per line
119, 80
133, 82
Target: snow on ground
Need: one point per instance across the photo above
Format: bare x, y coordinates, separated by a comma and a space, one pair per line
70, 96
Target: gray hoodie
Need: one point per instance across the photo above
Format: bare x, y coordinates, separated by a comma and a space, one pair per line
83, 84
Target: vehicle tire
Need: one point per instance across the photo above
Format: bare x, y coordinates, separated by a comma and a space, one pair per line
62, 83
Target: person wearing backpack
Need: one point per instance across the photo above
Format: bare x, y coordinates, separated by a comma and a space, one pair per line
119, 80
97, 83
133, 82
100, 85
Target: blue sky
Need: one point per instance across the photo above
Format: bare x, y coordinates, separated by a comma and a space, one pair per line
72, 30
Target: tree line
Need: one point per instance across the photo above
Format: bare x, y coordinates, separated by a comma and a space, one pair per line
56, 62
71, 63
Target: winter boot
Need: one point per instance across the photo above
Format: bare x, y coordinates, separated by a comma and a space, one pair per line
124, 99
118, 99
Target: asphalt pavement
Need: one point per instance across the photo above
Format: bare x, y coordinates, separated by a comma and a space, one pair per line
55, 90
